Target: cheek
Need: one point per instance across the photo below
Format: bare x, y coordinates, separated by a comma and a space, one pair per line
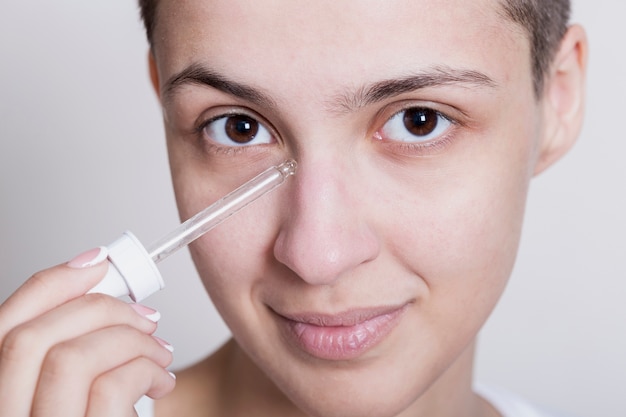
226, 255
234, 259
224, 261
460, 234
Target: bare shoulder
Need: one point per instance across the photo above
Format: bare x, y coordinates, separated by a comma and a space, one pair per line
199, 388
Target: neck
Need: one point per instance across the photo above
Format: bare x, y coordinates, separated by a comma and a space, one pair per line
451, 395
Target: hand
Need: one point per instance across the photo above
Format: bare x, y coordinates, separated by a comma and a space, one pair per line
63, 353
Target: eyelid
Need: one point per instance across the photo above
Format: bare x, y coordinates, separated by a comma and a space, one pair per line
456, 117
451, 113
215, 113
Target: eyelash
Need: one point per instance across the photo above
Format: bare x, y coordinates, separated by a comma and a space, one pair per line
423, 149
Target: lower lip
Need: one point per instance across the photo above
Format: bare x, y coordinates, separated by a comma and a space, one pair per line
340, 343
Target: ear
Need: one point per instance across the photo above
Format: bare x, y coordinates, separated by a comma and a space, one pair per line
154, 74
564, 98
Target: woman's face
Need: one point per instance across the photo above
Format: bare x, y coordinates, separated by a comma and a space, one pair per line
415, 130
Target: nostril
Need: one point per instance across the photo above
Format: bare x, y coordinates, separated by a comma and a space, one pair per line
322, 258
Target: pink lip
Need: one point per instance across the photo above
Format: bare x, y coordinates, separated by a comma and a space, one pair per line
341, 336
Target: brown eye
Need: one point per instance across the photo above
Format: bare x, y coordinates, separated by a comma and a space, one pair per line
417, 124
420, 122
241, 129
237, 130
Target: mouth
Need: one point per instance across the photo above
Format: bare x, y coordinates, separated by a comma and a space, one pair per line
339, 337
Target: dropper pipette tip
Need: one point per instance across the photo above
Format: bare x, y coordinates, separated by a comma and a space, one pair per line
288, 167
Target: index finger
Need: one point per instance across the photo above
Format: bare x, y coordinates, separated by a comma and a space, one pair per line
52, 287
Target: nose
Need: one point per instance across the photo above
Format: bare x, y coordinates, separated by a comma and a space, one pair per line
326, 231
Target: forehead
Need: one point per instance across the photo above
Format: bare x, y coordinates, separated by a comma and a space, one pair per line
278, 42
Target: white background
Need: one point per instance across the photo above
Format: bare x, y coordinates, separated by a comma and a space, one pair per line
82, 158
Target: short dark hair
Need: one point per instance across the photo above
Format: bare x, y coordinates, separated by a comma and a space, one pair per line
545, 22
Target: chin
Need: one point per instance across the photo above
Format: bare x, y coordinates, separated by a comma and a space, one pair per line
369, 388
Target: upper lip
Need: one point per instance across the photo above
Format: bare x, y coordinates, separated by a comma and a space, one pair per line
347, 318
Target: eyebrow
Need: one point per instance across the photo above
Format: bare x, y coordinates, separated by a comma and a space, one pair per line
350, 100
436, 77
198, 74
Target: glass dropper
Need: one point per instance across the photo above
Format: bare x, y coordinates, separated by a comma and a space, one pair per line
222, 209
132, 269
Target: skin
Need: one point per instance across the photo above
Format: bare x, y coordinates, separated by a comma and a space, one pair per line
428, 229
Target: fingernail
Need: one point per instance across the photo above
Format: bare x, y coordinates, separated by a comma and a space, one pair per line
90, 258
164, 344
172, 375
147, 312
